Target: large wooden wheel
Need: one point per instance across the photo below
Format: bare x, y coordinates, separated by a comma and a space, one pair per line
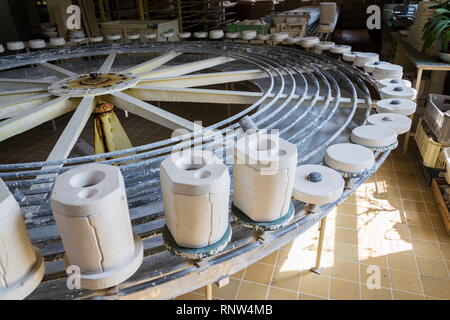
313, 102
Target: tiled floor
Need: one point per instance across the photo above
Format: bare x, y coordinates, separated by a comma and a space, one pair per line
397, 232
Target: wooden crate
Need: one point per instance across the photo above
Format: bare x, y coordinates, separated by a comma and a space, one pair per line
430, 150
442, 206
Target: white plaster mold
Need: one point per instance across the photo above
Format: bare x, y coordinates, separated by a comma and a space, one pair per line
195, 187
263, 174
91, 213
21, 265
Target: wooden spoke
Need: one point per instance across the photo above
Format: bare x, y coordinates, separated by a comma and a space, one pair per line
36, 116
73, 130
57, 70
205, 79
149, 112
21, 91
109, 61
194, 95
188, 67
11, 108
147, 66
12, 84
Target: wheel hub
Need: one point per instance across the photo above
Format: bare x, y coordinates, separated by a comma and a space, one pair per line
93, 84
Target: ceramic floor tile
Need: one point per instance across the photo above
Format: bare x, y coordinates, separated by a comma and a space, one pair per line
345, 270
190, 296
304, 296
344, 290
347, 221
442, 236
280, 294
238, 275
375, 294
227, 292
286, 279
406, 281
432, 267
400, 295
402, 261
415, 195
316, 285
437, 288
445, 249
422, 233
426, 248
252, 291
419, 219
346, 235
259, 273
270, 259
436, 222
345, 251
415, 206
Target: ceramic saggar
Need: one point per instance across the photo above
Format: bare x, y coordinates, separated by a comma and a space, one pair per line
91, 213
21, 264
263, 174
195, 187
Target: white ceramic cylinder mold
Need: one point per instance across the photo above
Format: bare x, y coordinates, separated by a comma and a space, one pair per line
57, 42
184, 35
96, 39
90, 207
216, 34
263, 175
361, 58
200, 35
249, 34
21, 264
15, 45
340, 49
195, 186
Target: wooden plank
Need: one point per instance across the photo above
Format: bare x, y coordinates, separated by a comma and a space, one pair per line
152, 93
11, 108
442, 206
36, 116
144, 68
205, 79
68, 138
189, 67
107, 64
57, 70
149, 112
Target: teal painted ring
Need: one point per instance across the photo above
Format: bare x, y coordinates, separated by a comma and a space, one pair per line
243, 220
195, 253
361, 174
385, 148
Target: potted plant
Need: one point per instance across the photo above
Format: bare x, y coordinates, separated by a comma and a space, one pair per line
438, 28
